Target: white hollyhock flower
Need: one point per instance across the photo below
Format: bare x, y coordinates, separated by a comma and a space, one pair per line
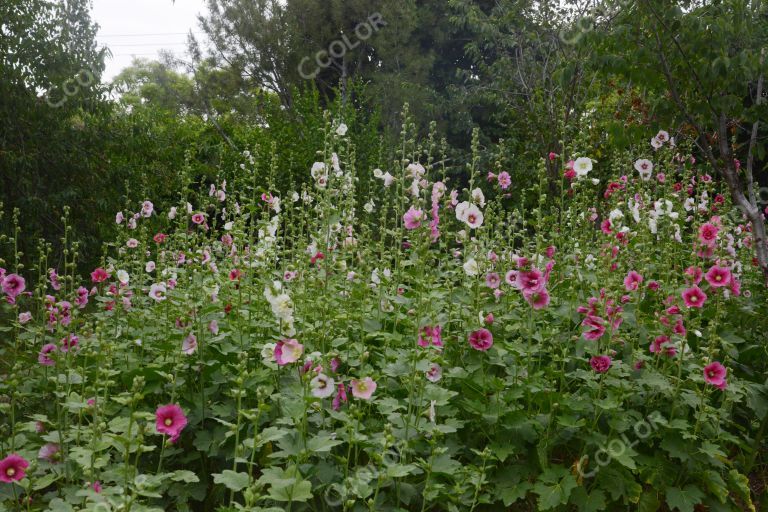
471, 268
644, 167
322, 386
388, 179
478, 197
377, 173
582, 166
341, 130
123, 276
157, 291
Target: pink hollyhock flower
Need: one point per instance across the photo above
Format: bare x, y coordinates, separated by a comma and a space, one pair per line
708, 234
412, 218
492, 280
595, 327
49, 452
632, 281
289, 275
322, 386
694, 297
735, 286
491, 176
489, 318
159, 238
12, 468
658, 344
335, 363
198, 218
481, 339
213, 326
43, 358
96, 487
679, 328
68, 342
147, 208
170, 420
363, 388
600, 364
537, 299
157, 291
569, 174
653, 285
54, 278
511, 279
288, 351
132, 243
317, 257
435, 373
13, 285
695, 274
25, 317
430, 335
715, 374
504, 180
532, 280
119, 218
605, 227
552, 156
99, 275
718, 276
235, 274
189, 345
550, 251
341, 396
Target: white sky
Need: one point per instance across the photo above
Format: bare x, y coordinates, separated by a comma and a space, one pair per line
143, 27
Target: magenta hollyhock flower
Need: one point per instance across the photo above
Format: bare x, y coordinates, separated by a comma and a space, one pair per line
435, 373
96, 487
632, 281
170, 420
595, 327
288, 351
653, 285
600, 364
430, 335
70, 341
49, 452
715, 374
679, 328
412, 218
341, 396
718, 276
532, 280
492, 280
43, 357
363, 388
99, 275
481, 339
13, 285
12, 468
537, 299
658, 344
335, 363
708, 234
694, 297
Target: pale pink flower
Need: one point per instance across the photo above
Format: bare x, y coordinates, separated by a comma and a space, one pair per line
25, 317
412, 218
288, 351
322, 386
435, 373
13, 285
633, 281
492, 280
189, 346
43, 358
363, 388
504, 180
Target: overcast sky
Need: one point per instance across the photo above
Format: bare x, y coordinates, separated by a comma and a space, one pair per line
143, 27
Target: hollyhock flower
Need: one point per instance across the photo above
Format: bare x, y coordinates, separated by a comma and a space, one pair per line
679, 328
471, 268
316, 257
132, 243
96, 487
147, 208
481, 339
718, 276
170, 420
491, 177
606, 226
235, 274
470, 214
435, 373
54, 278
695, 273
595, 327
123, 277
552, 156
198, 218
715, 374
511, 278
99, 275
430, 335
633, 281
600, 364
661, 177
43, 358
653, 285
189, 345
735, 287
489, 318
157, 291
532, 280
504, 180
322, 386
69, 341
159, 238
363, 388
492, 280
13, 285
708, 234
289, 275
657, 345
694, 297
412, 218
12, 468
25, 317
341, 396
288, 351
656, 143
644, 167
49, 452
582, 166
213, 326
537, 299
119, 218
150, 266
569, 174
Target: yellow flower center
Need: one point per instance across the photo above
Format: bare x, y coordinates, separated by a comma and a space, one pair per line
10, 472
168, 422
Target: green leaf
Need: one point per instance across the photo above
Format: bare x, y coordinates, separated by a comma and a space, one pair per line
592, 502
684, 499
233, 481
298, 491
183, 475
322, 443
554, 490
649, 502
